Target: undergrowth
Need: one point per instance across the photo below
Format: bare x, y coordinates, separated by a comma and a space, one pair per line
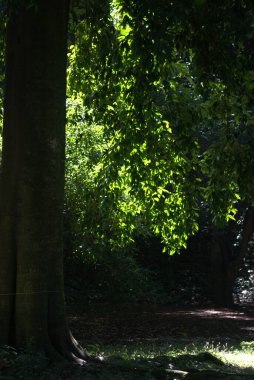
144, 360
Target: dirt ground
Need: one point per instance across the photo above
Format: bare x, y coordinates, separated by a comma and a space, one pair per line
111, 324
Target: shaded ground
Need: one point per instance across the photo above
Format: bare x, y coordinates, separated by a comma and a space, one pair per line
109, 324
135, 341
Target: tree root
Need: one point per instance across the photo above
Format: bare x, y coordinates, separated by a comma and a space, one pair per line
66, 348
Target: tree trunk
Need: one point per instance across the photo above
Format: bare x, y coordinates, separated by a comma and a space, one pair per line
222, 282
32, 312
225, 262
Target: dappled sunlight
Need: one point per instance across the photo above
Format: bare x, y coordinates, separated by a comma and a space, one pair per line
211, 313
248, 328
240, 359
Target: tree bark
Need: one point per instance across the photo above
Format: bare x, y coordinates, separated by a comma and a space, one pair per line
32, 312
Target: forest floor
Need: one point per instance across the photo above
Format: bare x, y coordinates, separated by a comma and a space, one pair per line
200, 343
149, 343
117, 323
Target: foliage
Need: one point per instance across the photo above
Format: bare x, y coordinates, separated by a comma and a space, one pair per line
92, 211
170, 107
172, 125
92, 228
83, 199
227, 158
113, 277
145, 159
167, 107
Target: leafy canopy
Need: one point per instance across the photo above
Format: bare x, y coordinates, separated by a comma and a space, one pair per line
171, 85
167, 88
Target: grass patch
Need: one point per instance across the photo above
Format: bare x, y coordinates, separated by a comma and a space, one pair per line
174, 348
143, 360
229, 361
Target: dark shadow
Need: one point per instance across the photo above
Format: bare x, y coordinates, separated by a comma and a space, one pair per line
107, 323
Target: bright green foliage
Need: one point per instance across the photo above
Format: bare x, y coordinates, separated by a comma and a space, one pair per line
84, 149
94, 215
170, 109
148, 106
94, 224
